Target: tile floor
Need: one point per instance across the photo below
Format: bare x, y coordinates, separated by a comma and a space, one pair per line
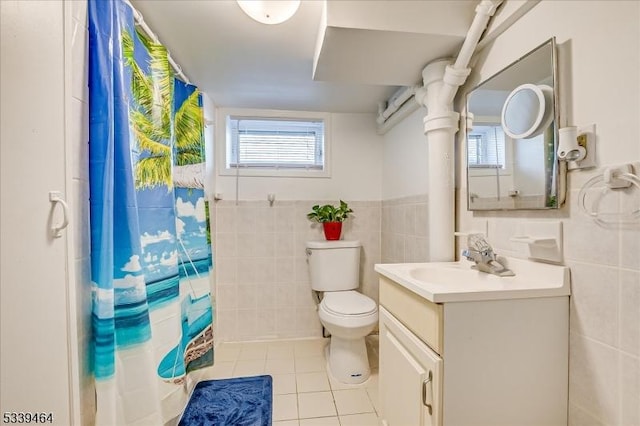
304, 394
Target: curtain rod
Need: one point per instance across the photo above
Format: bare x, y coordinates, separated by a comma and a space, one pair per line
140, 22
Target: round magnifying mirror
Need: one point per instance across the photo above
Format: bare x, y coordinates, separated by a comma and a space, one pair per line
528, 111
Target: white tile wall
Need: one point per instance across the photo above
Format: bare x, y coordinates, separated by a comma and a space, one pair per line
604, 368
263, 288
604, 347
595, 390
629, 309
404, 230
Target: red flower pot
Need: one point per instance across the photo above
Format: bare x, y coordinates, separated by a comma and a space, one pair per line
332, 230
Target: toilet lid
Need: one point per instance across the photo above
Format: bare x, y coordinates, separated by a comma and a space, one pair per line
348, 303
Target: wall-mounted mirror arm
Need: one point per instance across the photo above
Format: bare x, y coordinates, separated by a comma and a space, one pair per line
528, 111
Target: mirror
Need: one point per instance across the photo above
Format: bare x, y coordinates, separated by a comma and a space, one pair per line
512, 136
528, 111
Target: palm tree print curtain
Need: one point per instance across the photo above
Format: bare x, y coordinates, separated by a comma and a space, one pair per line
150, 244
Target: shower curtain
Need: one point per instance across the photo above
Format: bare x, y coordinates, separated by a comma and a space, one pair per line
150, 239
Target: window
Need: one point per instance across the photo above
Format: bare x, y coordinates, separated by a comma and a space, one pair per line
486, 147
275, 146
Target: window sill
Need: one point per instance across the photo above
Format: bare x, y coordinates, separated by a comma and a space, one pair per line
280, 173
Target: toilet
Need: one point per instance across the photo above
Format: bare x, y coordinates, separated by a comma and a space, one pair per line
347, 314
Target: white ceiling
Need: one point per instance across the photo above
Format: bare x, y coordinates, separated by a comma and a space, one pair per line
364, 49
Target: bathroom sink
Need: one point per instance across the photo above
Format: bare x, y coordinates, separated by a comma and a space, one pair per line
455, 281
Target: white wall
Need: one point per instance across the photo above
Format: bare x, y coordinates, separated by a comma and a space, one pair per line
34, 306
46, 292
593, 48
262, 278
599, 50
356, 155
599, 65
528, 157
405, 158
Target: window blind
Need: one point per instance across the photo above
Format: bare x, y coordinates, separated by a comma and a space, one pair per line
276, 143
486, 147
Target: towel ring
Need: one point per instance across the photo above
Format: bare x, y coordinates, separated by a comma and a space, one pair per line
612, 178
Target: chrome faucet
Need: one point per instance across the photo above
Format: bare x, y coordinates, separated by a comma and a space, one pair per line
479, 251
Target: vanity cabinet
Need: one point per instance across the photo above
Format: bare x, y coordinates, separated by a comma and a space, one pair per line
414, 370
472, 362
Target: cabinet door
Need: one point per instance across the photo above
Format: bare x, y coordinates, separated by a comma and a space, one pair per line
410, 377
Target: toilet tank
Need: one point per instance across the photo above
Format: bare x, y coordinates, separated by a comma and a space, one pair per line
334, 265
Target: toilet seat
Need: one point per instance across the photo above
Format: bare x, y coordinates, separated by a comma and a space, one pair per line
348, 303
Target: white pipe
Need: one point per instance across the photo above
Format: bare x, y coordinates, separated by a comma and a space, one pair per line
441, 81
484, 12
140, 22
396, 101
381, 107
456, 75
511, 11
440, 126
404, 111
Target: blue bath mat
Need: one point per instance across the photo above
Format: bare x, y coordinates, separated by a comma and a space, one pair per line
243, 401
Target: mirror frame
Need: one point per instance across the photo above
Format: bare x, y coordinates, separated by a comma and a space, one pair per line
558, 176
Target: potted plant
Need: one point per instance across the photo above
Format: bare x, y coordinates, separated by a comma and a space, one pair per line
331, 218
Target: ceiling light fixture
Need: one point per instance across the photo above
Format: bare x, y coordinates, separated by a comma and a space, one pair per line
269, 11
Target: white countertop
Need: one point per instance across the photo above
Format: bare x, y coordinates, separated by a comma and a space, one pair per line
441, 282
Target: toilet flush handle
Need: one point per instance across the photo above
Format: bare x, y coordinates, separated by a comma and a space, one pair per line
309, 252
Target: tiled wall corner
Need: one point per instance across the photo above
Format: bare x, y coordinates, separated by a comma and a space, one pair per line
404, 230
